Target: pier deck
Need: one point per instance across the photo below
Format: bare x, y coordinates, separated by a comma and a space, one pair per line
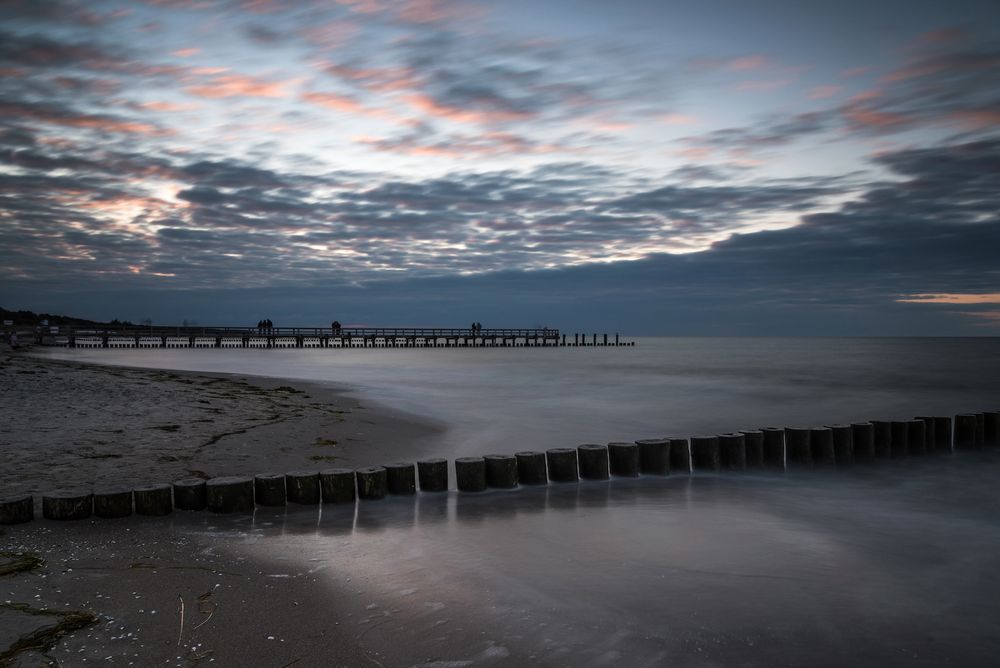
317, 337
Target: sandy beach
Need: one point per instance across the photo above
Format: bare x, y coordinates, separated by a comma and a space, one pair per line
69, 424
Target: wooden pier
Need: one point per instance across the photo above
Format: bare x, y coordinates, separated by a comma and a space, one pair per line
319, 337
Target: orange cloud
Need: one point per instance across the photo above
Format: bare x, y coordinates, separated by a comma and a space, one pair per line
240, 86
185, 53
978, 119
952, 298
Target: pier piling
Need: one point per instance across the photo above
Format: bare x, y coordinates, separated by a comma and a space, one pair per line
883, 438
67, 504
863, 441
899, 430
302, 487
965, 431
821, 446
798, 454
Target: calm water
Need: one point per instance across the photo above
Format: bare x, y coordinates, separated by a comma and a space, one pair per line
502, 400
897, 564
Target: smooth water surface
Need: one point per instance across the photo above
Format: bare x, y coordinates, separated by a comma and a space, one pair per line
502, 400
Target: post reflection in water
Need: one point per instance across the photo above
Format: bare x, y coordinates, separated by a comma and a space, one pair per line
892, 564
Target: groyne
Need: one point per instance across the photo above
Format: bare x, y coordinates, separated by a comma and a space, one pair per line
791, 449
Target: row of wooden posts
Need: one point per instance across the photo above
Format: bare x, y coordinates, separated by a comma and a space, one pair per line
770, 448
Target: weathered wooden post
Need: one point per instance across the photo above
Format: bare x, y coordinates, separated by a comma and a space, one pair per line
531, 468
774, 448
930, 435
562, 464
67, 504
189, 494
624, 459
433, 474
991, 428
337, 485
680, 455
17, 509
269, 489
863, 441
302, 487
229, 494
705, 453
113, 502
798, 454
942, 432
593, 458
843, 443
501, 471
372, 483
401, 478
754, 440
980, 429
883, 438
916, 434
654, 456
154, 500
965, 431
900, 445
470, 474
821, 446
733, 451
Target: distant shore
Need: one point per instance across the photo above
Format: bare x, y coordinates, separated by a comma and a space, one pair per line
75, 424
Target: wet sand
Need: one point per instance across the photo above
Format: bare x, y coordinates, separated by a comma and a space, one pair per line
68, 424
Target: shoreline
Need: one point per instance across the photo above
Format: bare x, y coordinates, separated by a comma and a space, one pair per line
82, 424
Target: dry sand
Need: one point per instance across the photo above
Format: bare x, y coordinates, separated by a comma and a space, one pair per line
67, 424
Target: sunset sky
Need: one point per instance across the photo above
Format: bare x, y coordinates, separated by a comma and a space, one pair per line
779, 167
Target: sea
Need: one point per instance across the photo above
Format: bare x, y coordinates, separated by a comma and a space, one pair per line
896, 564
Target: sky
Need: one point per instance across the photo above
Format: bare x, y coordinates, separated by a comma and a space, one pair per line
658, 168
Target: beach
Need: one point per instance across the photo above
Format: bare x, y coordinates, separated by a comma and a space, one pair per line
890, 565
70, 424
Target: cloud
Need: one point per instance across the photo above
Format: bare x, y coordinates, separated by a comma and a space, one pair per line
952, 298
57, 115
234, 85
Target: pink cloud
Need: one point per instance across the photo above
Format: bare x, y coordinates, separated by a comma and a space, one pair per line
348, 105
378, 79
977, 119
431, 107
747, 63
952, 298
185, 53
678, 119
763, 86
852, 72
159, 105
68, 119
865, 118
696, 153
824, 92
235, 85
